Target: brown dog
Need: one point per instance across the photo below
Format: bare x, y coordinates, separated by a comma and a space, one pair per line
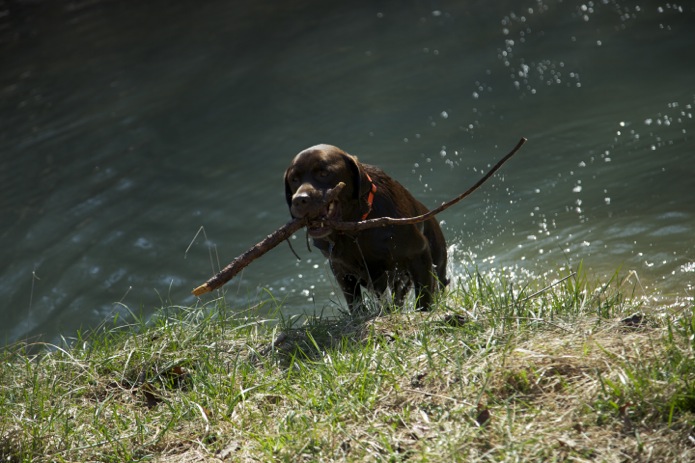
395, 257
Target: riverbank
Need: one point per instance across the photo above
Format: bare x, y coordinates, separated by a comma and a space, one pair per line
526, 371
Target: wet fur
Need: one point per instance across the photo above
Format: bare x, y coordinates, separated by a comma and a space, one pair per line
395, 257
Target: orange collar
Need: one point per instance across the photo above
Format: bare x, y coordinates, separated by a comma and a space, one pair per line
370, 198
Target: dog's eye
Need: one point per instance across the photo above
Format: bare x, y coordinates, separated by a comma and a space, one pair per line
324, 173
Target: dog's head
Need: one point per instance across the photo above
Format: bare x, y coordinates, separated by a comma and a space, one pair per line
316, 170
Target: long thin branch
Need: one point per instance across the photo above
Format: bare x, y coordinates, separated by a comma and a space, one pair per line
287, 230
270, 241
384, 221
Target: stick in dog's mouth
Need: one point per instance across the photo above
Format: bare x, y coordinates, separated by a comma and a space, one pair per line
331, 213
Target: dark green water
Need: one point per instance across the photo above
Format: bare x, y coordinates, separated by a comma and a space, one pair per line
129, 127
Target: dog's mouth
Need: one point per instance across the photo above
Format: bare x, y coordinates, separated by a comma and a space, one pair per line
316, 227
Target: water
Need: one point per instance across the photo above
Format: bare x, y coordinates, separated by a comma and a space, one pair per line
143, 146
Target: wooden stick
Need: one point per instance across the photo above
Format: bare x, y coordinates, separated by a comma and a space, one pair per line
384, 221
270, 241
287, 230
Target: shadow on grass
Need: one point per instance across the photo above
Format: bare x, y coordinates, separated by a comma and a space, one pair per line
318, 334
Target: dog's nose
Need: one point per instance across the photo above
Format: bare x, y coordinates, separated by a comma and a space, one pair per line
301, 203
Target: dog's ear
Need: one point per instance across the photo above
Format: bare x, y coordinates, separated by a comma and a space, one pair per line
288, 190
361, 182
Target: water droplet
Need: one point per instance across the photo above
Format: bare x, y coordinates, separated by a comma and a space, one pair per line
143, 243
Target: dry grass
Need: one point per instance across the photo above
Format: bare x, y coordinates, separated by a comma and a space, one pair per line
491, 375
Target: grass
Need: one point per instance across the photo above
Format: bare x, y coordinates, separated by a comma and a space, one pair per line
499, 371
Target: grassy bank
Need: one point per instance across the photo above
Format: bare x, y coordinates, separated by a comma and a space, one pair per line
499, 371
